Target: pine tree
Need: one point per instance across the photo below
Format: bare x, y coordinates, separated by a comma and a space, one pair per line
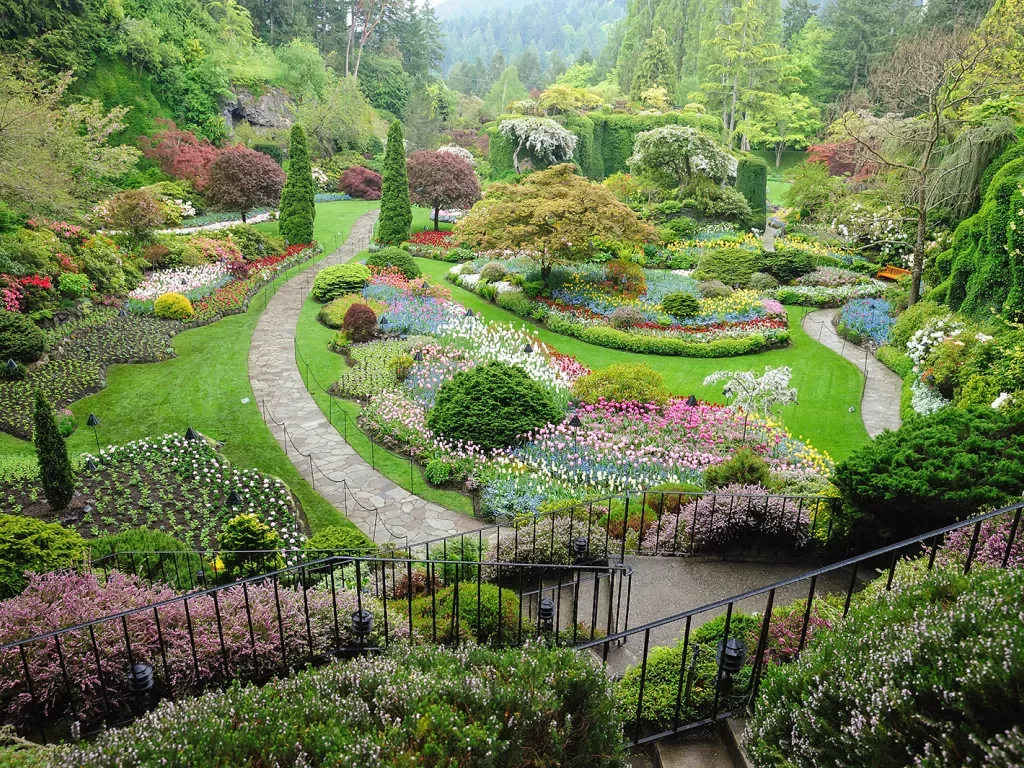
656, 68
298, 209
395, 211
52, 453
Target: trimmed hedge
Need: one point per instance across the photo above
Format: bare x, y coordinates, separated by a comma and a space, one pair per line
469, 706
752, 183
894, 360
332, 282
394, 257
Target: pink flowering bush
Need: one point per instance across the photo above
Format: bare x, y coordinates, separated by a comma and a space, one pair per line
993, 538
55, 600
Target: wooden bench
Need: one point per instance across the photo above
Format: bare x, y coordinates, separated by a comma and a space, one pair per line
892, 273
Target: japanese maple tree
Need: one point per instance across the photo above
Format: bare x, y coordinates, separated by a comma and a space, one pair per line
180, 153
441, 180
241, 179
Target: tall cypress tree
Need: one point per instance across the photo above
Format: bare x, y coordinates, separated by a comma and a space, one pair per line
298, 209
52, 452
395, 211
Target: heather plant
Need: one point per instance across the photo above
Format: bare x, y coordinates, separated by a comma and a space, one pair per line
445, 706
56, 600
927, 673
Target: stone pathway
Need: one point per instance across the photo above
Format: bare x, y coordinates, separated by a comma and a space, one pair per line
880, 406
379, 507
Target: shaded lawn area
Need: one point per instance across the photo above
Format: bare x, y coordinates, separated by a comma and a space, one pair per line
828, 385
203, 387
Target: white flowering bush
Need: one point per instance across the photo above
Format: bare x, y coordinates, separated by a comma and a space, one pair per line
882, 230
321, 179
461, 152
542, 137
924, 400
929, 337
757, 394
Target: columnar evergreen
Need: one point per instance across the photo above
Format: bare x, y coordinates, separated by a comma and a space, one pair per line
395, 211
655, 68
298, 209
54, 464
752, 183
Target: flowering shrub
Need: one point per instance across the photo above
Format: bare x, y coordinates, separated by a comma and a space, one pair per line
828, 296
433, 239
831, 277
990, 548
866, 320
757, 394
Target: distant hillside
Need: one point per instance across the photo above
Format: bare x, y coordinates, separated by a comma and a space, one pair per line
478, 28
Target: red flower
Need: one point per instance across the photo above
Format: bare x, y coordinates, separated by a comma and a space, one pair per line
437, 239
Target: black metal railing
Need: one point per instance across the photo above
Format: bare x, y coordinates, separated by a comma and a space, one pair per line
108, 670
711, 678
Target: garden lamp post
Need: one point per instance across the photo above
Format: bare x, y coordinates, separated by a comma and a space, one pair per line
692, 401
418, 357
362, 624
122, 312
470, 313
140, 682
575, 423
528, 349
234, 500
90, 464
546, 615
93, 422
12, 366
732, 652
580, 545
191, 434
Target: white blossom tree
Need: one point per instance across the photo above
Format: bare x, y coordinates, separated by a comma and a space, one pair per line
677, 153
546, 139
757, 394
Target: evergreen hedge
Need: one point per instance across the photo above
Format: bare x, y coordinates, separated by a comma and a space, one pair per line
752, 183
298, 208
395, 210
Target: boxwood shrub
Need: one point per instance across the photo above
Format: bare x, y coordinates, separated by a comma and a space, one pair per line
332, 282
927, 674
471, 706
21, 340
396, 258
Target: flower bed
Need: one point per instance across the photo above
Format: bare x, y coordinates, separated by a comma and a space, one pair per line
193, 282
828, 296
431, 238
170, 483
866, 321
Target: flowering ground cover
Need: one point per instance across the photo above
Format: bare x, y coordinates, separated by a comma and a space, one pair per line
866, 321
190, 281
166, 483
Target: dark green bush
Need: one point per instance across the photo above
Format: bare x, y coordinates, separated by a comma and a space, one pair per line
491, 405
715, 289
28, 544
21, 340
396, 258
336, 538
681, 304
562, 702
478, 621
297, 210
733, 266
744, 468
155, 555
55, 471
332, 282
252, 242
927, 674
752, 183
785, 264
895, 360
621, 383
271, 150
395, 211
493, 272
930, 472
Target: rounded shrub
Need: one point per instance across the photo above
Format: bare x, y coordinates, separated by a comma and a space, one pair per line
394, 258
74, 286
681, 304
744, 468
626, 277
332, 282
332, 314
785, 264
715, 289
733, 266
173, 306
762, 281
621, 383
154, 554
28, 544
335, 539
360, 323
21, 340
491, 405
493, 272
912, 320
360, 182
625, 318
249, 547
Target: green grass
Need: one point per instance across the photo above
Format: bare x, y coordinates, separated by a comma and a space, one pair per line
776, 190
828, 385
203, 387
423, 218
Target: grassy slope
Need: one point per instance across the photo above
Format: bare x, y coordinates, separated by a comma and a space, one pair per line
203, 387
827, 383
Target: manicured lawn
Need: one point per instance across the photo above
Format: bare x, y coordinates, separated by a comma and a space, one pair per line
423, 218
828, 385
776, 190
204, 387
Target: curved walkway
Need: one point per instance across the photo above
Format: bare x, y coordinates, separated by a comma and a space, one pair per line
880, 406
380, 508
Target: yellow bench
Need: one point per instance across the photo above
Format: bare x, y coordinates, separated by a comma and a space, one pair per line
892, 273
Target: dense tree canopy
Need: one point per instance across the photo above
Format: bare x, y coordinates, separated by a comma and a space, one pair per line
242, 179
442, 180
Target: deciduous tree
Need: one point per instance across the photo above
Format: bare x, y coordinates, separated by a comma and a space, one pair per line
676, 153
542, 137
136, 212
242, 179
180, 153
442, 180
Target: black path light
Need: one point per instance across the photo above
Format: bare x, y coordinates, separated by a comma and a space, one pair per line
362, 624
470, 313
528, 349
12, 366
140, 678
546, 614
90, 464
234, 500
692, 401
93, 422
418, 357
191, 434
122, 312
575, 422
580, 545
731, 655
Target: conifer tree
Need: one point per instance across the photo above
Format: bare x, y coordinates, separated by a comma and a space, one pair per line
298, 209
656, 68
395, 211
52, 453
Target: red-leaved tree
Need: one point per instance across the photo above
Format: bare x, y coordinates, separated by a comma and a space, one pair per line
360, 182
179, 153
241, 179
441, 180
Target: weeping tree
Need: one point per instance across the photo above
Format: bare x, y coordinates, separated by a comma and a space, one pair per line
926, 89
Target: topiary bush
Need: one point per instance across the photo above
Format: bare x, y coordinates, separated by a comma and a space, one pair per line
332, 314
361, 183
336, 539
621, 383
156, 555
360, 323
173, 306
21, 340
715, 289
492, 272
491, 405
752, 183
681, 304
297, 210
395, 210
624, 318
878, 689
55, 471
332, 282
733, 266
249, 547
31, 545
785, 264
562, 702
395, 258
744, 468
762, 281
930, 472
